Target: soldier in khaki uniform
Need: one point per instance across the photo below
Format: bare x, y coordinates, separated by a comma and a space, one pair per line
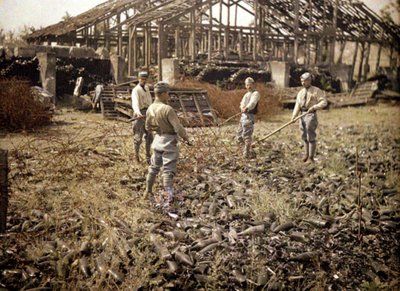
248, 107
141, 100
309, 99
162, 119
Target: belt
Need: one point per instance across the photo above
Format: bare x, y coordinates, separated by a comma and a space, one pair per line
167, 134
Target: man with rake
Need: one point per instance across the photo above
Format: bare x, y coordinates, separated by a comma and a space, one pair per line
248, 107
309, 100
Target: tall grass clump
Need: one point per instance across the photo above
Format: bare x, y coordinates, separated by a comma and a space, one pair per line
226, 102
19, 108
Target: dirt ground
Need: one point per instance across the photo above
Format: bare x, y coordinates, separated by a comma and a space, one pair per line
78, 219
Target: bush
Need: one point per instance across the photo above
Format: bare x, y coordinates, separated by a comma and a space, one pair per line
226, 103
19, 108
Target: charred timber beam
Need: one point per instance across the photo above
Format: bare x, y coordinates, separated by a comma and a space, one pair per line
361, 62
378, 57
333, 37
296, 30
255, 38
210, 4
161, 49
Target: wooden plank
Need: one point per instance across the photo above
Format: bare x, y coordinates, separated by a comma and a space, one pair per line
198, 108
127, 112
182, 107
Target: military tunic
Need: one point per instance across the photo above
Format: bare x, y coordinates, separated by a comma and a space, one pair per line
246, 124
141, 100
162, 119
307, 98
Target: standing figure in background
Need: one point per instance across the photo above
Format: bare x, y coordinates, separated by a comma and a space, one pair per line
309, 100
97, 95
162, 119
248, 107
141, 100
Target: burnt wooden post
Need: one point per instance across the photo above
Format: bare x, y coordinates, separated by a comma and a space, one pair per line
354, 60
255, 38
342, 47
332, 43
3, 190
210, 31
361, 62
119, 46
192, 38
162, 48
367, 53
296, 30
378, 57
240, 44
220, 28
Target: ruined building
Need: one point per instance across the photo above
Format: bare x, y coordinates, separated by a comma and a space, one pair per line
306, 32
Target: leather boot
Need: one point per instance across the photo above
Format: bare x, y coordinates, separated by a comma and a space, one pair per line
168, 192
150, 179
313, 147
248, 150
137, 150
306, 155
148, 151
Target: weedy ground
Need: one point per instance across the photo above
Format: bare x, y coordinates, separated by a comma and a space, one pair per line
76, 181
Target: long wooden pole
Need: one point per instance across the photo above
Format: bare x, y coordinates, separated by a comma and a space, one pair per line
279, 129
230, 118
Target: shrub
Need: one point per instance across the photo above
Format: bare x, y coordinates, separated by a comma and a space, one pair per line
19, 109
226, 103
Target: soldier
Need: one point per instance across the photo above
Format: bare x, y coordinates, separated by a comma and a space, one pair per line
141, 100
248, 107
309, 100
162, 119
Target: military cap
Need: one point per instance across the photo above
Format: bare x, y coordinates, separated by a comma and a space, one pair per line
249, 80
305, 76
143, 74
161, 87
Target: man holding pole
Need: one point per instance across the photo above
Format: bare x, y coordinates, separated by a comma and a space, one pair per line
309, 100
248, 107
162, 119
141, 100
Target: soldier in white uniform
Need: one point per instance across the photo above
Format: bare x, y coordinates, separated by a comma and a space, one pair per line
141, 100
162, 119
309, 99
248, 107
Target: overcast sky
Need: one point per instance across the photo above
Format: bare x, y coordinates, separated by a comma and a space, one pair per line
14, 14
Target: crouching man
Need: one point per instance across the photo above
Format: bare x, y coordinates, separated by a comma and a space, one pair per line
162, 119
309, 100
